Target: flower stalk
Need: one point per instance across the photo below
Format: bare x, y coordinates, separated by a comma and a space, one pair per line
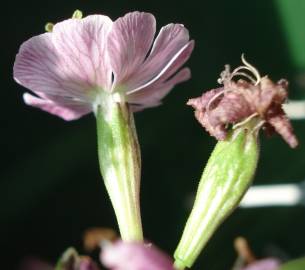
224, 181
120, 162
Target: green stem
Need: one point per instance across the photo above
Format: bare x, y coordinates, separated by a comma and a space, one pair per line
119, 159
224, 181
179, 265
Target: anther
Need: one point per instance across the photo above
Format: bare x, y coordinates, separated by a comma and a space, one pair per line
77, 14
49, 27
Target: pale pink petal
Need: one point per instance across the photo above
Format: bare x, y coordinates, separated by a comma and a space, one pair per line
67, 62
81, 44
152, 95
171, 48
129, 42
134, 256
176, 62
170, 51
140, 107
67, 110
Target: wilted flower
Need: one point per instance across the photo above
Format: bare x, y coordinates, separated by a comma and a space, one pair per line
69, 67
238, 102
233, 114
135, 256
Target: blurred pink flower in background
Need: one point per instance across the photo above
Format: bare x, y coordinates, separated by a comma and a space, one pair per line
135, 256
265, 264
32, 263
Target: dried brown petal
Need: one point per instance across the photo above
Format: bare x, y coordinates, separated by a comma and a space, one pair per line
281, 124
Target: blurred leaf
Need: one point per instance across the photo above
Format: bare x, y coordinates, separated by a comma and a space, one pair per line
293, 20
298, 264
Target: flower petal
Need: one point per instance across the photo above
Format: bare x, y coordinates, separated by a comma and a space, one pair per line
152, 95
171, 43
139, 107
171, 48
68, 110
67, 62
134, 256
281, 124
129, 42
82, 46
176, 62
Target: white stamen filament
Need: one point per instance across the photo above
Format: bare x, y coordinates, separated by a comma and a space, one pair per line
226, 77
236, 72
214, 98
253, 69
245, 121
245, 75
258, 126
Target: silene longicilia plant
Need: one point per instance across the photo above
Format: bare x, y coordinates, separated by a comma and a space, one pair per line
116, 68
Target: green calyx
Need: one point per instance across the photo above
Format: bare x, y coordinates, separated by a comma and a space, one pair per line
224, 181
120, 162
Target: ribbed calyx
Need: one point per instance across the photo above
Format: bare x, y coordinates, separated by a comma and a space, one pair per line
224, 181
120, 162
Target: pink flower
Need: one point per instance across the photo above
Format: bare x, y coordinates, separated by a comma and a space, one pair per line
134, 256
264, 264
67, 68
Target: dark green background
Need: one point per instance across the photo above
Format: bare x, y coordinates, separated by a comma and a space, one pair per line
50, 187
